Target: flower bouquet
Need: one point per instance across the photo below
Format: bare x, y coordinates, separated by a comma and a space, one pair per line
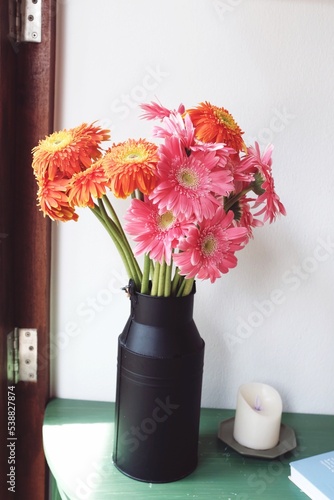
196, 194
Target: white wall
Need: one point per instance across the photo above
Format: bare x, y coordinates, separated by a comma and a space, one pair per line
271, 63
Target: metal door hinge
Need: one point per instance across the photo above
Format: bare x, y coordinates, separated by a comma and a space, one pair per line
25, 20
22, 355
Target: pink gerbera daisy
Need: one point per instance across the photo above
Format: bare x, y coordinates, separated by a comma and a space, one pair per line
153, 110
242, 170
208, 250
188, 184
157, 233
177, 126
247, 219
272, 204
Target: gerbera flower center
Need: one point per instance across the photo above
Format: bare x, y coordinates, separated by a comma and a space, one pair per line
58, 141
187, 178
225, 118
165, 220
209, 245
135, 155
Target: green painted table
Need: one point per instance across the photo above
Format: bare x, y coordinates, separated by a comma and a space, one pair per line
78, 446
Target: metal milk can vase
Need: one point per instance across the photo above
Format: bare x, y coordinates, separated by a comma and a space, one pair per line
158, 395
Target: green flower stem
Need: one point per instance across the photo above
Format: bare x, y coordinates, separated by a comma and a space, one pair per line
155, 279
168, 281
188, 286
113, 214
139, 195
105, 200
162, 276
176, 281
125, 243
111, 232
146, 275
181, 288
151, 269
118, 240
230, 202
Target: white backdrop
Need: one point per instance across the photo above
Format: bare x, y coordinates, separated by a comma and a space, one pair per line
271, 64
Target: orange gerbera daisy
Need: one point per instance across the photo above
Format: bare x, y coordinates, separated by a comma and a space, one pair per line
86, 185
214, 124
131, 165
68, 151
53, 200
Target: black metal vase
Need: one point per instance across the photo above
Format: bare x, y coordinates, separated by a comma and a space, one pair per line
158, 395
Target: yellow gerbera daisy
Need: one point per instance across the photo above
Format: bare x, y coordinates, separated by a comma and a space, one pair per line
131, 165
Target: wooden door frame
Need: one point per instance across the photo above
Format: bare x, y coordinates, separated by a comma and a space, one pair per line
27, 96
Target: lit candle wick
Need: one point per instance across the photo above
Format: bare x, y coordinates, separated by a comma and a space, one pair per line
257, 406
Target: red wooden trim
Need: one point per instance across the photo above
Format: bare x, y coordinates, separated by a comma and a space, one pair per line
34, 66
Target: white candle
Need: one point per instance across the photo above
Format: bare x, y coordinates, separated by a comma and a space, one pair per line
258, 416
